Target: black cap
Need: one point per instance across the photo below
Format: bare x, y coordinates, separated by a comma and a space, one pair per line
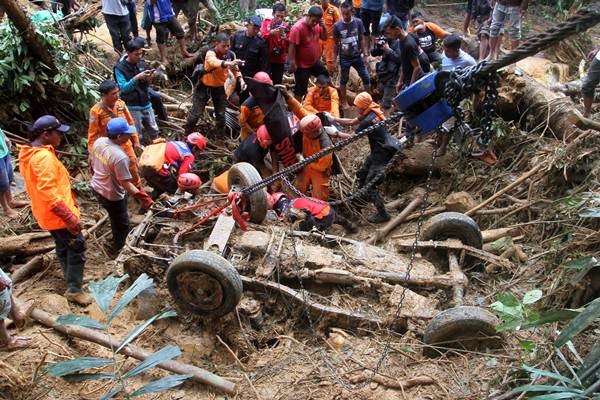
48, 123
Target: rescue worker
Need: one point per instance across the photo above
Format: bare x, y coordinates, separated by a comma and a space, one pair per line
250, 47
112, 179
310, 212
217, 64
383, 147
331, 15
254, 149
134, 80
109, 107
322, 97
52, 203
275, 31
251, 115
315, 175
162, 163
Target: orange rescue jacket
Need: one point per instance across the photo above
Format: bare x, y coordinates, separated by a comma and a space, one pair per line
47, 182
251, 117
331, 15
216, 73
315, 102
99, 117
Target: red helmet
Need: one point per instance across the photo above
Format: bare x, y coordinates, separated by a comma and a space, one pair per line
263, 77
197, 139
189, 181
262, 134
311, 124
273, 198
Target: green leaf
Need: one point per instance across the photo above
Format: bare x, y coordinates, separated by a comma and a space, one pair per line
527, 345
164, 354
557, 396
85, 377
545, 388
141, 283
547, 317
590, 213
162, 384
583, 263
511, 325
502, 244
580, 322
112, 393
506, 312
79, 320
532, 296
104, 291
140, 328
548, 374
508, 299
69, 367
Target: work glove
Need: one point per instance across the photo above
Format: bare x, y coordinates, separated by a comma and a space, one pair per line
144, 199
68, 217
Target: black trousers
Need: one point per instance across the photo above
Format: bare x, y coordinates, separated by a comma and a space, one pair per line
119, 28
199, 100
303, 74
133, 18
119, 219
157, 105
277, 73
367, 172
70, 250
160, 183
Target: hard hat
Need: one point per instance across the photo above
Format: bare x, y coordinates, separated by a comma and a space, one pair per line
273, 198
189, 181
310, 124
262, 134
363, 100
263, 77
197, 139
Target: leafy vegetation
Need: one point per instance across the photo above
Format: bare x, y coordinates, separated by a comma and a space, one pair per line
25, 79
103, 293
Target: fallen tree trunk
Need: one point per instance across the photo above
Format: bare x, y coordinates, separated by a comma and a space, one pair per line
398, 219
198, 374
416, 161
26, 244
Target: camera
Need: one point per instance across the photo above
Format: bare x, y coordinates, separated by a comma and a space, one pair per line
378, 48
276, 51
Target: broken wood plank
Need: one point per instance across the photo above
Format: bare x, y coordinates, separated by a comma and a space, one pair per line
90, 335
398, 219
390, 383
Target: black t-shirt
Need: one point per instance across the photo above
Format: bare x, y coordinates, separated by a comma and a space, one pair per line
253, 51
409, 50
481, 9
250, 151
383, 145
426, 40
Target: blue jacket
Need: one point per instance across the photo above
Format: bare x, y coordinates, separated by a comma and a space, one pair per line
165, 11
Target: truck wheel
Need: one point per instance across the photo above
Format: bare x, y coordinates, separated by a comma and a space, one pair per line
242, 175
204, 282
460, 327
450, 225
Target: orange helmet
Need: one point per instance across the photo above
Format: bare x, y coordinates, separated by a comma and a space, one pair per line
363, 100
273, 198
263, 77
197, 139
311, 124
189, 181
262, 134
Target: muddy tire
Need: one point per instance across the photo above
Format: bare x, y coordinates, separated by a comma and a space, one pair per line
450, 225
242, 175
204, 283
462, 327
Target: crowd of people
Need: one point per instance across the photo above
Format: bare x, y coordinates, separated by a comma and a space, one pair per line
125, 144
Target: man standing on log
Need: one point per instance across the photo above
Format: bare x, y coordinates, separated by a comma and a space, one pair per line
109, 107
111, 179
588, 88
116, 16
134, 82
305, 50
52, 203
513, 11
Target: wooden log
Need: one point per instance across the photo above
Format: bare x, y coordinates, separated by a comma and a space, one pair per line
417, 161
198, 374
36, 263
398, 219
495, 234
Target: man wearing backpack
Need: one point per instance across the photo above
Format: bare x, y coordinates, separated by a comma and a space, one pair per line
109, 107
209, 76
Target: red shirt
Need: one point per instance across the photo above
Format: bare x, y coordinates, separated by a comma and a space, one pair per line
275, 41
308, 46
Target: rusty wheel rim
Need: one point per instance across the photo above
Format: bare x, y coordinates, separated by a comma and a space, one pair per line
200, 290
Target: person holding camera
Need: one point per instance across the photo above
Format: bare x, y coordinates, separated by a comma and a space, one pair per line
305, 49
275, 32
134, 83
387, 69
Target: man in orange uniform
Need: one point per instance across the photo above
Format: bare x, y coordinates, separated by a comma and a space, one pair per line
331, 15
251, 115
109, 107
52, 202
322, 97
218, 62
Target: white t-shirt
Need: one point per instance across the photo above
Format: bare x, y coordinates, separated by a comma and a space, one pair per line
598, 55
114, 7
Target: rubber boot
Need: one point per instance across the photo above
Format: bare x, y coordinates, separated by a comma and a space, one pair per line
381, 215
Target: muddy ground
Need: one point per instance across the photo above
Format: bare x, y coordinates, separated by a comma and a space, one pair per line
294, 356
